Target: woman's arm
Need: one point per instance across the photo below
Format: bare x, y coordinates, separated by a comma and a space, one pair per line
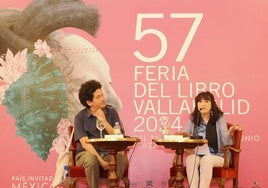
225, 137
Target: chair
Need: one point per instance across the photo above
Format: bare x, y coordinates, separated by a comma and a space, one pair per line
229, 170
77, 173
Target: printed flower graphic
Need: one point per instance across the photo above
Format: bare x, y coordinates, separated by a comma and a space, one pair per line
11, 68
41, 48
61, 142
34, 93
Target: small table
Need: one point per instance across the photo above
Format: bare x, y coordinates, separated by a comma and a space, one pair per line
113, 145
179, 145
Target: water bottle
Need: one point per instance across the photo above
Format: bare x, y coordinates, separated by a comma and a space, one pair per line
117, 128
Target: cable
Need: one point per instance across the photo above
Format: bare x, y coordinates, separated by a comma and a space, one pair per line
134, 149
190, 182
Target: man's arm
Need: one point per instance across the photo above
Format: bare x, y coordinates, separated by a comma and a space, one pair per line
101, 116
88, 147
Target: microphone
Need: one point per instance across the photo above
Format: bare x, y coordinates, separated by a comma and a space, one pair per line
195, 135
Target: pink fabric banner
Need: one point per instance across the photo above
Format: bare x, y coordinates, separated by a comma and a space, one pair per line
152, 58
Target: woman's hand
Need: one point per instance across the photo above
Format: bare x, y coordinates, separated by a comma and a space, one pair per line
233, 129
184, 134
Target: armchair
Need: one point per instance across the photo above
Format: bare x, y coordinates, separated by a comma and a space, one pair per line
229, 170
77, 173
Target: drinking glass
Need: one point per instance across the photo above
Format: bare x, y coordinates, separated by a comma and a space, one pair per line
100, 126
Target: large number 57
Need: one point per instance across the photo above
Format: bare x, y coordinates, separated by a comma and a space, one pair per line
141, 33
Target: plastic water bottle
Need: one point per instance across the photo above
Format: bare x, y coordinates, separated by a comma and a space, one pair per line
117, 128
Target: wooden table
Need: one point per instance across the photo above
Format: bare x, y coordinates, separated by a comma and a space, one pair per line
179, 145
113, 145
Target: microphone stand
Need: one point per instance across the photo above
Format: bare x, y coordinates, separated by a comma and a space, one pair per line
195, 135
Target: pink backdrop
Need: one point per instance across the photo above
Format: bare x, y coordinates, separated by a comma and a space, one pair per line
226, 54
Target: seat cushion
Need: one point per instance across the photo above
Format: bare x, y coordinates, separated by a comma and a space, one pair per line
78, 171
220, 172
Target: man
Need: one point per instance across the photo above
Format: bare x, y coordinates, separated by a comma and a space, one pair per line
88, 156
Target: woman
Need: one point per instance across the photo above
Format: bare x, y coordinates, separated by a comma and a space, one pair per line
207, 120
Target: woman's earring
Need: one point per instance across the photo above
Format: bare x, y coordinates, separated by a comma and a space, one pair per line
211, 113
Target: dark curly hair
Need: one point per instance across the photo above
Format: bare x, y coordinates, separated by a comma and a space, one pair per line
216, 112
86, 91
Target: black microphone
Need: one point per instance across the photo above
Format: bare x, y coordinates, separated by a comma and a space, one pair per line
195, 135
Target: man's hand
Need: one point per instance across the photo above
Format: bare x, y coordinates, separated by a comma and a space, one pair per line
99, 114
105, 165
